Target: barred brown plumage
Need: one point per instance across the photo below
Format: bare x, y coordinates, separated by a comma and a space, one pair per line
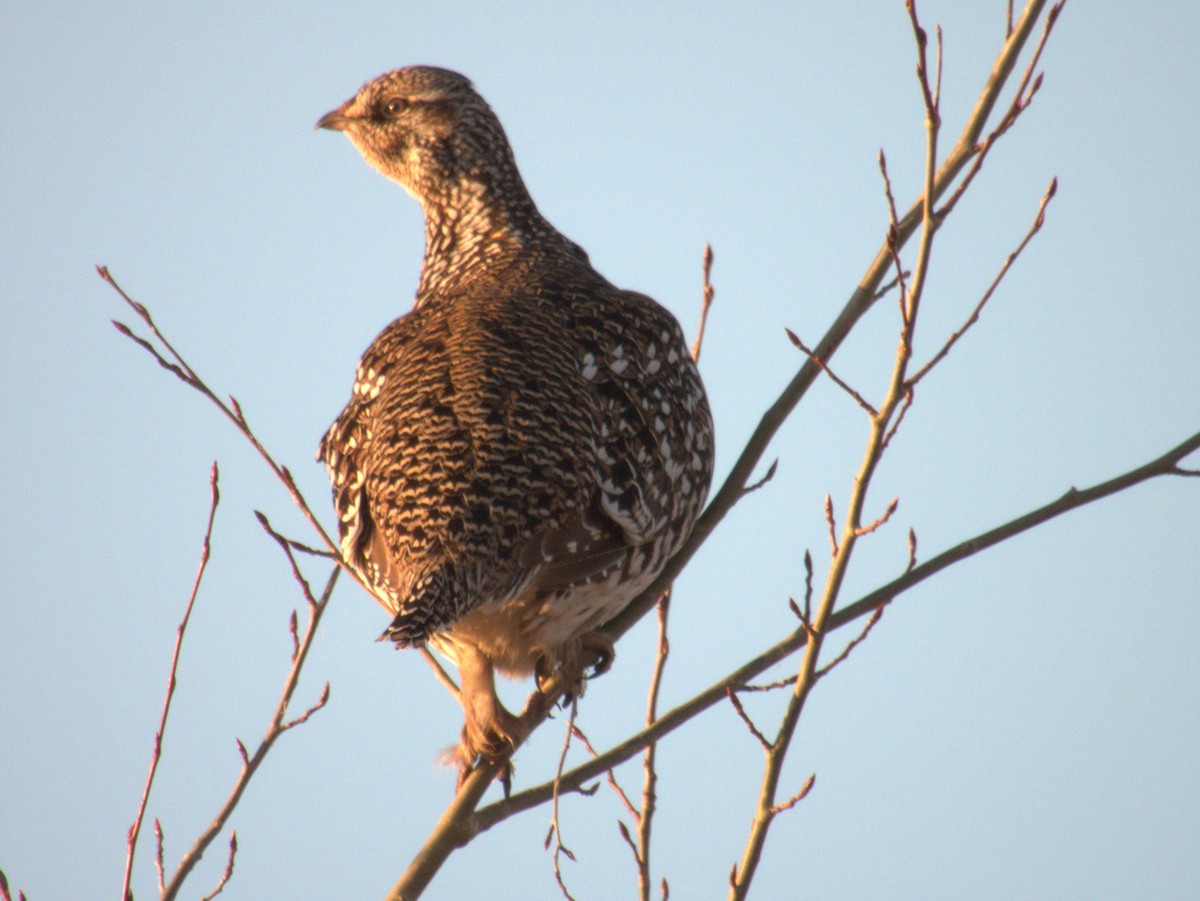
523, 451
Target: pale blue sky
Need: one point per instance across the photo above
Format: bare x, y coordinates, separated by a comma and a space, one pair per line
1025, 725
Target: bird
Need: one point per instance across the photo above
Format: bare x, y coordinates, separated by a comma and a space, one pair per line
527, 447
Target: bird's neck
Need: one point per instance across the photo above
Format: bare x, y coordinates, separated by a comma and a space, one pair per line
470, 231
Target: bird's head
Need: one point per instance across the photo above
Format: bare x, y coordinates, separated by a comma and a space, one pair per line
430, 131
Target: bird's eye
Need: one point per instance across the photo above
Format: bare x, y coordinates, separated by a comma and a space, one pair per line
395, 106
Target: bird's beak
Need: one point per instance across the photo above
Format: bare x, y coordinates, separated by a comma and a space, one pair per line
337, 120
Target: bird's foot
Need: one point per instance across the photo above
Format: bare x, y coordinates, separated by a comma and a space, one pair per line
593, 651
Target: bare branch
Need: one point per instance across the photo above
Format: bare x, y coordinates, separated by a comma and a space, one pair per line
499, 811
214, 477
293, 629
303, 718
787, 682
1164, 465
892, 240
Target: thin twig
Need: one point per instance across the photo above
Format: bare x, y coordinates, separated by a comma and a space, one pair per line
439, 671
278, 726
286, 547
1038, 221
649, 771
623, 831
892, 240
796, 798
831, 526
1022, 98
808, 587
555, 832
612, 776
228, 869
804, 348
158, 857
231, 410
741, 711
871, 527
899, 417
6, 896
706, 302
786, 682
205, 552
855, 642
751, 488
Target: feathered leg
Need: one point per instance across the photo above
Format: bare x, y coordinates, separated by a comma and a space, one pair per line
489, 730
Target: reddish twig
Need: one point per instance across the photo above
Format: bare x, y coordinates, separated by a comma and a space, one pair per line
286, 547
831, 524
887, 514
796, 798
899, 418
649, 771
439, 671
555, 832
630, 843
892, 239
158, 856
1022, 98
804, 348
855, 642
808, 587
228, 869
251, 762
1038, 221
5, 896
612, 777
205, 552
232, 411
741, 711
706, 302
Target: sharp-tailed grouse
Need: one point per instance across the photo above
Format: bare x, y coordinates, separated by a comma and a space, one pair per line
524, 450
